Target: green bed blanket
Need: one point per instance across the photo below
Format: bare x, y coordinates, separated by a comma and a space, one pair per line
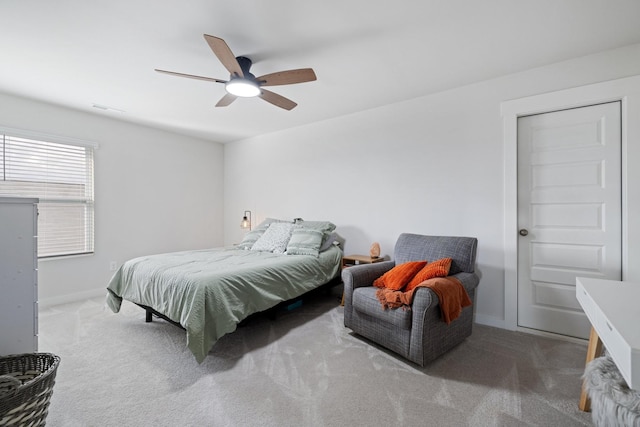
210, 291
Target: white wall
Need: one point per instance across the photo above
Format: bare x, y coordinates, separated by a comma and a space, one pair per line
432, 165
154, 192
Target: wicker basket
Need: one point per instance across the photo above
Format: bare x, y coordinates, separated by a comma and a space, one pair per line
26, 386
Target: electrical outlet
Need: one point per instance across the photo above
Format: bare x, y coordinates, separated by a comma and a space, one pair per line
113, 266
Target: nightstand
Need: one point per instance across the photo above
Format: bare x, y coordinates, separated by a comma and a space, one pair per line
351, 260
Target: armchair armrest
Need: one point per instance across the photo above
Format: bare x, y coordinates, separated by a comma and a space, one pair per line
424, 298
360, 276
364, 274
469, 281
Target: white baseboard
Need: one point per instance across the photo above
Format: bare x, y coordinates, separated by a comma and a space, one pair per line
552, 335
496, 322
500, 323
78, 296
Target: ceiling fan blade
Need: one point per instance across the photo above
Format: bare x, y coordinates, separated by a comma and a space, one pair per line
191, 76
224, 54
288, 77
226, 100
277, 100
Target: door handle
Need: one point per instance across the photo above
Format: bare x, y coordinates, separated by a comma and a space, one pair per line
523, 232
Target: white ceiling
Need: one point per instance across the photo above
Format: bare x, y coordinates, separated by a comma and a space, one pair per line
366, 53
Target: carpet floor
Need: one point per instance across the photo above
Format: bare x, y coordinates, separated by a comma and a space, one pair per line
302, 369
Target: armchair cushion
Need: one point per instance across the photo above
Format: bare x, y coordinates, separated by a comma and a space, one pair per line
399, 276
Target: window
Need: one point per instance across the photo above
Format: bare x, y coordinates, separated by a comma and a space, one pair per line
60, 174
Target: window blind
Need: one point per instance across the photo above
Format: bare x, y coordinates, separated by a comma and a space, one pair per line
61, 176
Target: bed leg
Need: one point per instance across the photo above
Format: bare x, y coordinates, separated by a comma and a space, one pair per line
149, 316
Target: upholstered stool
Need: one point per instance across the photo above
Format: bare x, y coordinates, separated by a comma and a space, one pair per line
613, 403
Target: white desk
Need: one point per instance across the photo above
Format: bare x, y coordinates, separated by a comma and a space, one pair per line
613, 308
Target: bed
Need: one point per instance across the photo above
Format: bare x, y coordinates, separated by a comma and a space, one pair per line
209, 292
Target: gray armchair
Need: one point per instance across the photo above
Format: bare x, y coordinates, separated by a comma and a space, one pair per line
419, 334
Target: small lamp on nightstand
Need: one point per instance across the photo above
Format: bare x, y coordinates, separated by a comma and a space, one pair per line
246, 220
374, 251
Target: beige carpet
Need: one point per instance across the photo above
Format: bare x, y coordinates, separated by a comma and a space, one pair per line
303, 369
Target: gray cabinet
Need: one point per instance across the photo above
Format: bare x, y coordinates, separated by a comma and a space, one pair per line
18, 275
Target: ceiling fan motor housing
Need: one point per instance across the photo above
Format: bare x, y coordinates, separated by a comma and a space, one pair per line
245, 65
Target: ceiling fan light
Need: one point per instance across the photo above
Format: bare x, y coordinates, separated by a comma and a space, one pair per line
242, 87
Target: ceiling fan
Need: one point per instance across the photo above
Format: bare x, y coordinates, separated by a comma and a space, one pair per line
242, 83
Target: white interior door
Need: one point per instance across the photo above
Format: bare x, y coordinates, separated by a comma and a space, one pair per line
569, 212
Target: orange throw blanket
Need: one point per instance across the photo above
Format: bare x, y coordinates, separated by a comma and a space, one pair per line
452, 295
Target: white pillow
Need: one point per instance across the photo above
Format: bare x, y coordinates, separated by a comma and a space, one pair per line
275, 239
